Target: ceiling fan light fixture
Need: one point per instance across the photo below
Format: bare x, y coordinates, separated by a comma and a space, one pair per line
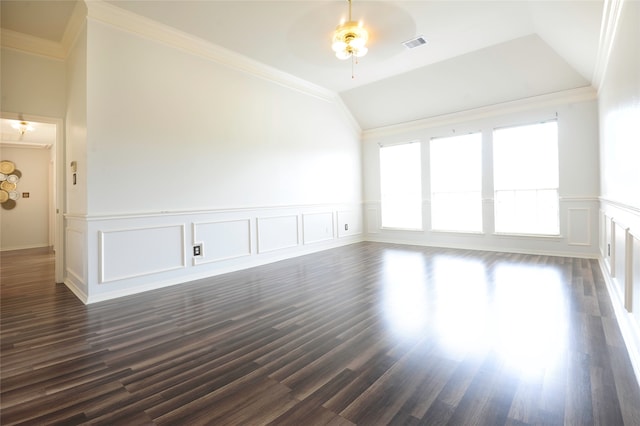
350, 39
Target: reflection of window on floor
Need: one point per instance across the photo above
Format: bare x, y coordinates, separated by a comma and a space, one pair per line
456, 183
525, 174
401, 186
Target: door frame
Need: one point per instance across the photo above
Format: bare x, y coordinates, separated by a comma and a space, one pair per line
59, 206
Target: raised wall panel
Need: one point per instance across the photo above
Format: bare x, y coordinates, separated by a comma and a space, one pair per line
276, 233
619, 259
222, 240
317, 227
635, 276
349, 223
609, 247
373, 221
602, 241
130, 253
579, 225
75, 255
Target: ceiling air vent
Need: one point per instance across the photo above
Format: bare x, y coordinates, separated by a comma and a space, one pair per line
414, 42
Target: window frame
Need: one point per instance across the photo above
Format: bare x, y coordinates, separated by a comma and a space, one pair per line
556, 206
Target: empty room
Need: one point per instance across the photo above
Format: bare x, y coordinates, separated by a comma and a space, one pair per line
320, 212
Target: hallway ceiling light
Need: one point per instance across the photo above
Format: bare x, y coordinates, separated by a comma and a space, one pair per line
350, 39
22, 127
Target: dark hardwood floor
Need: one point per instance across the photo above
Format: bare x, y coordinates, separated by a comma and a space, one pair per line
365, 334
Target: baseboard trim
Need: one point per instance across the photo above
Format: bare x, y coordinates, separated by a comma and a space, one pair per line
484, 248
75, 290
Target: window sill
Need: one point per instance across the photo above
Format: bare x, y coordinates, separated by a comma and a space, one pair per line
384, 228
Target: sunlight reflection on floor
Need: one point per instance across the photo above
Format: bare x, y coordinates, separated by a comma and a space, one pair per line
405, 300
513, 310
530, 317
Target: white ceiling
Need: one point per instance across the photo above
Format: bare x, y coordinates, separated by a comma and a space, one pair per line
43, 134
478, 52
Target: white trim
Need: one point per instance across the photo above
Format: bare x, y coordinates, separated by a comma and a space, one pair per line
305, 241
75, 290
30, 44
266, 218
195, 241
569, 239
582, 94
144, 215
204, 274
25, 247
101, 253
608, 29
618, 204
578, 198
75, 25
465, 246
557, 237
628, 327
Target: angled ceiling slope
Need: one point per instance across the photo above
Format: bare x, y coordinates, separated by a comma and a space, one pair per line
478, 52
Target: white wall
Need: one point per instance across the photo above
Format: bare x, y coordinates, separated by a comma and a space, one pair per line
32, 84
173, 131
76, 126
183, 150
27, 224
579, 179
619, 115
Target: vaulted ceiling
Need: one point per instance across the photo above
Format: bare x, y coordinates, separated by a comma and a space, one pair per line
478, 52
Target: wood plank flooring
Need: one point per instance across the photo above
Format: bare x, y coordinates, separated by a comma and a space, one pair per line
366, 334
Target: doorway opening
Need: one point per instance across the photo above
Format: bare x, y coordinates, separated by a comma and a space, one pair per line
31, 159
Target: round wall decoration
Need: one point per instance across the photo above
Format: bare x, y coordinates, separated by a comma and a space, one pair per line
7, 167
9, 178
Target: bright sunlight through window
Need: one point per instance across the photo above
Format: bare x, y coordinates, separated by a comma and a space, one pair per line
400, 186
525, 173
456, 183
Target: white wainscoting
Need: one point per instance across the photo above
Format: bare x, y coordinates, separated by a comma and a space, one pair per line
277, 233
75, 276
620, 264
578, 226
372, 220
317, 227
619, 247
222, 240
349, 223
635, 275
135, 252
115, 256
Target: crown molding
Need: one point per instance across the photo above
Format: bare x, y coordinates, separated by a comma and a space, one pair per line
582, 94
74, 26
608, 28
30, 44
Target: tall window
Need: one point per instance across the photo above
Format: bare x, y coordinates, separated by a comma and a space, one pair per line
525, 173
401, 186
456, 183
